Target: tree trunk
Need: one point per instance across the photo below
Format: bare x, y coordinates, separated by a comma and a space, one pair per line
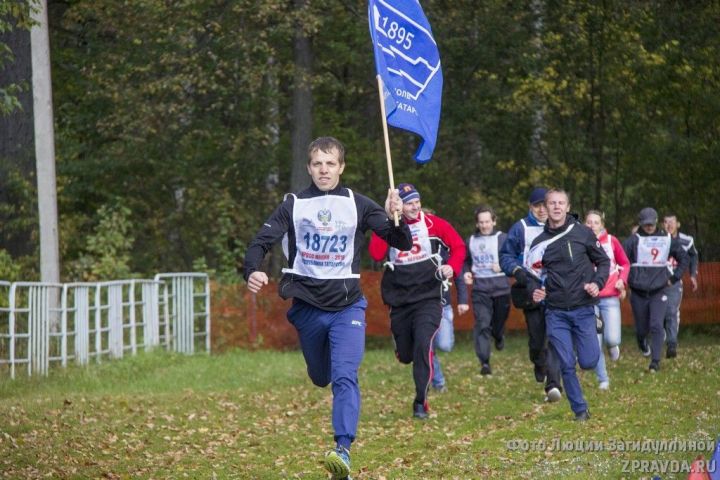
302, 116
17, 149
597, 131
539, 125
276, 256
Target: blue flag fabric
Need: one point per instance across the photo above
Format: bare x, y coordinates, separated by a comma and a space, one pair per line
408, 61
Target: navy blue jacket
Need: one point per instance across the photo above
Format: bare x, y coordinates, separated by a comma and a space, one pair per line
688, 244
511, 251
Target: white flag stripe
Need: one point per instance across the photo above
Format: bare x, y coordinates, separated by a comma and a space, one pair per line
392, 51
403, 73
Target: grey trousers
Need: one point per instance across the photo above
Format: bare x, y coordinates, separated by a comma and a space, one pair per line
672, 313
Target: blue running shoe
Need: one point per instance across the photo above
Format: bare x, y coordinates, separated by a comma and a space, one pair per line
420, 411
337, 462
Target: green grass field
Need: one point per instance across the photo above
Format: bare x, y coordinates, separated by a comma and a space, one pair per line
256, 415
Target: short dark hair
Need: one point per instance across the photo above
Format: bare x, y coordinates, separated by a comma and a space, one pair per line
485, 208
557, 190
327, 144
670, 214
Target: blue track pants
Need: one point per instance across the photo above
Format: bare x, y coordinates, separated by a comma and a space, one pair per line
333, 344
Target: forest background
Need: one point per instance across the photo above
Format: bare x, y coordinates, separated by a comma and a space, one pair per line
180, 125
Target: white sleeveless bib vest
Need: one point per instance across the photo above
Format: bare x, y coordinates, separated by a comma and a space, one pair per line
484, 252
653, 251
324, 236
531, 233
421, 249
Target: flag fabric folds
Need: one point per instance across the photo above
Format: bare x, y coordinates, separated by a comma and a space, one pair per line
408, 61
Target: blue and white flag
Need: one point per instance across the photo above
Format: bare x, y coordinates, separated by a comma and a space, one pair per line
408, 61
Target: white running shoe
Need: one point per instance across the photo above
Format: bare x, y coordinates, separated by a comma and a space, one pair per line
614, 353
553, 395
604, 385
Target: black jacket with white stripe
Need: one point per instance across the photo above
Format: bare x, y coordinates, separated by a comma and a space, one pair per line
334, 294
570, 262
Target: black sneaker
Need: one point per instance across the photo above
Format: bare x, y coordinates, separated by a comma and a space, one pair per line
485, 369
419, 411
643, 346
499, 344
599, 324
582, 416
671, 351
654, 367
539, 374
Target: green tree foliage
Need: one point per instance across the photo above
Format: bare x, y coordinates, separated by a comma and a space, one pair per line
13, 14
20, 214
180, 113
9, 269
108, 248
166, 108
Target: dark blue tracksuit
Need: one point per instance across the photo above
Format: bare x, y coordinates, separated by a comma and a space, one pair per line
328, 313
648, 284
572, 258
333, 344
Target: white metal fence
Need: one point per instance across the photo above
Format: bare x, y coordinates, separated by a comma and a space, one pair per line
45, 323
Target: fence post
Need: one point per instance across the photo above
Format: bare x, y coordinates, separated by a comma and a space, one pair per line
115, 322
82, 324
11, 328
98, 323
207, 314
63, 326
133, 324
38, 304
150, 299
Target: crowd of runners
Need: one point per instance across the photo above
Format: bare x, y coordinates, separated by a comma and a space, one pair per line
565, 272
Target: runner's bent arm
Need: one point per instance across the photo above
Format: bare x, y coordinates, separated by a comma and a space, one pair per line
272, 230
598, 257
374, 217
621, 259
677, 251
511, 250
452, 240
693, 259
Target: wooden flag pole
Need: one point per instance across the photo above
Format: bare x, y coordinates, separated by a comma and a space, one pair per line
387, 142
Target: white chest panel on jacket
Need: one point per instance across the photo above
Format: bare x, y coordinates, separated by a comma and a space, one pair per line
324, 236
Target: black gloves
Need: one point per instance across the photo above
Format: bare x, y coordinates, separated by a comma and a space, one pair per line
521, 278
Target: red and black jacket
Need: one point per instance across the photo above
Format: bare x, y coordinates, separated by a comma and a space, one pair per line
406, 284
